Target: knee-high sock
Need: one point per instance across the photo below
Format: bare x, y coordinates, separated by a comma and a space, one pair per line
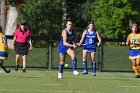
61, 68
85, 65
74, 63
94, 67
136, 70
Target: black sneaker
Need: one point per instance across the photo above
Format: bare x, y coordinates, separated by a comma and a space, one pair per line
137, 76
24, 70
16, 67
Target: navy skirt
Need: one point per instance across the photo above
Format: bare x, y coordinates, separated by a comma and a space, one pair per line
21, 48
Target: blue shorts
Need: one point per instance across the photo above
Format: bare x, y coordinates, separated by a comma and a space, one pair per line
134, 54
90, 50
63, 49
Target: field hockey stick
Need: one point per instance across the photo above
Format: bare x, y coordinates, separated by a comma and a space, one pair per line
98, 44
7, 71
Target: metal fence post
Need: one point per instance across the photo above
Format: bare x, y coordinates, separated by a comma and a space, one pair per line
50, 57
101, 56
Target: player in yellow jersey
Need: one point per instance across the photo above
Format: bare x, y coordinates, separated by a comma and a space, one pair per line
133, 40
3, 46
3, 50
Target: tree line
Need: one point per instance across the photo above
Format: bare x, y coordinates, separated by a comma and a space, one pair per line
111, 17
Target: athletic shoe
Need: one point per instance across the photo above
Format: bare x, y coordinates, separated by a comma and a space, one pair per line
137, 76
75, 72
24, 70
59, 75
93, 74
16, 67
85, 72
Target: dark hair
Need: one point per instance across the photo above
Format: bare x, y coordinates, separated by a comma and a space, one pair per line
132, 24
68, 20
91, 22
0, 29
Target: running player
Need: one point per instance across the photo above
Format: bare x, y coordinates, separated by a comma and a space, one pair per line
133, 40
89, 39
66, 46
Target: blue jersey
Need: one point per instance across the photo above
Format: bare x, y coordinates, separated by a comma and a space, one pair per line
62, 48
90, 40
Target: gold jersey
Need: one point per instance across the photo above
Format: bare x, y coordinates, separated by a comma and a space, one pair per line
3, 47
135, 41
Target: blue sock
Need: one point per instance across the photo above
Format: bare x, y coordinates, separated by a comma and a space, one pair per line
85, 65
61, 68
94, 67
74, 64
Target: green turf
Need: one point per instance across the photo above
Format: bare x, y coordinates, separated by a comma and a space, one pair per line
47, 82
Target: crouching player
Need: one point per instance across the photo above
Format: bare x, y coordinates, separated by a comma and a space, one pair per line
66, 46
89, 39
133, 40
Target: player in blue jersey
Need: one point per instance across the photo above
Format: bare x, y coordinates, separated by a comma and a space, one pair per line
88, 40
67, 46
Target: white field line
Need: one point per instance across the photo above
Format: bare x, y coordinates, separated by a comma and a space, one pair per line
28, 90
51, 84
71, 91
130, 86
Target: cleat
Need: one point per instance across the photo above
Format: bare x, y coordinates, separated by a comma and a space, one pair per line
24, 70
16, 67
137, 76
85, 72
59, 75
93, 74
75, 72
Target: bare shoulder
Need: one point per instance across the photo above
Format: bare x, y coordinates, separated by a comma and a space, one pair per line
97, 32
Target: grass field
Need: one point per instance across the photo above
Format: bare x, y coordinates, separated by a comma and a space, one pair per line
44, 81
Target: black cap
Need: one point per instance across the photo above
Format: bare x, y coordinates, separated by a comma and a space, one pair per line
23, 22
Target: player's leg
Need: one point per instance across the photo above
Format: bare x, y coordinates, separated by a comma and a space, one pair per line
93, 63
135, 68
134, 57
61, 65
17, 62
85, 71
74, 61
138, 63
24, 58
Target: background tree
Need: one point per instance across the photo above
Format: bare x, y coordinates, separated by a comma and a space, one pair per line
112, 17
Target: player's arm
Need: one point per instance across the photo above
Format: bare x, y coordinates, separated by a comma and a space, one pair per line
99, 39
30, 42
64, 35
128, 40
13, 42
82, 38
75, 39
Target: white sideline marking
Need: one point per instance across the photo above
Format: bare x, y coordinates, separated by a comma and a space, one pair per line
51, 84
2, 71
43, 91
71, 91
130, 86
